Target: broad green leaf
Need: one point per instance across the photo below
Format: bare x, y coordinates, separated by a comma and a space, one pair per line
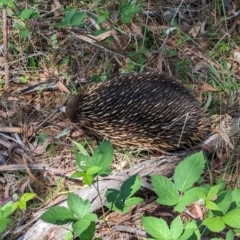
3, 224
58, 215
212, 205
77, 205
212, 194
224, 201
103, 157
230, 235
165, 190
26, 14
236, 196
190, 196
133, 201
115, 201
89, 232
215, 224
81, 225
68, 17
77, 19
83, 161
68, 236
232, 218
176, 228
131, 186
92, 217
156, 227
93, 170
77, 174
27, 196
189, 171
191, 231
24, 33
22, 205
103, 17
6, 210
88, 179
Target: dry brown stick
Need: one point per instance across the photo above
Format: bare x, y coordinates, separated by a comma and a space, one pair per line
5, 46
11, 129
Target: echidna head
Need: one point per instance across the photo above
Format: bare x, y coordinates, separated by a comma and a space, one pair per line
72, 109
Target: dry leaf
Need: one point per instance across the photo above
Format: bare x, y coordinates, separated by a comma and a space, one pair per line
136, 30
62, 87
2, 62
195, 30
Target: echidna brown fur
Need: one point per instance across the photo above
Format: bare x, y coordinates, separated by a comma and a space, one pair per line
150, 111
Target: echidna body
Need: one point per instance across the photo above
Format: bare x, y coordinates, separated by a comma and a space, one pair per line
150, 111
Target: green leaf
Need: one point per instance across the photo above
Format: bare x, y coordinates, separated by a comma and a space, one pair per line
232, 218
77, 19
42, 137
115, 201
189, 197
27, 197
131, 186
212, 194
131, 202
24, 33
82, 225
81, 148
215, 224
89, 232
22, 205
212, 205
156, 227
26, 14
68, 16
58, 215
230, 235
189, 171
83, 162
93, 170
88, 179
92, 217
77, 205
77, 175
68, 236
176, 228
3, 224
103, 157
103, 18
224, 201
165, 190
191, 231
235, 196
6, 209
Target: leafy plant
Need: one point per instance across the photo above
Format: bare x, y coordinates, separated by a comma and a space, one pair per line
10, 207
7, 3
22, 22
128, 10
222, 206
99, 164
72, 18
78, 213
122, 199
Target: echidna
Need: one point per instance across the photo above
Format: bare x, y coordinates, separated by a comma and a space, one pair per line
150, 111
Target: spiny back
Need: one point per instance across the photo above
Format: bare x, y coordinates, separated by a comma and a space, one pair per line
146, 110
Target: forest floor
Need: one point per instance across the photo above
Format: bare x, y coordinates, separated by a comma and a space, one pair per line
48, 53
